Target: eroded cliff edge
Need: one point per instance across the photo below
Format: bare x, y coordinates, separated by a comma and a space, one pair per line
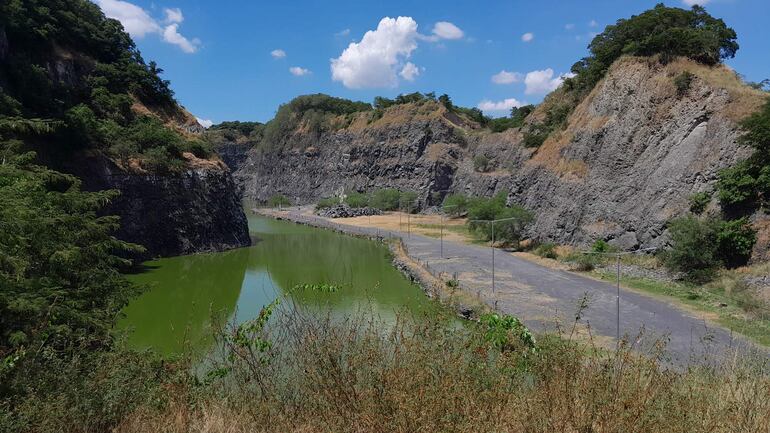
631, 155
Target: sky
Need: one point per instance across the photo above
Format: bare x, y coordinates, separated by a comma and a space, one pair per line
239, 60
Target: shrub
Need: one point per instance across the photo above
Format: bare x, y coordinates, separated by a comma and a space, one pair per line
327, 203
698, 202
278, 200
481, 163
601, 246
356, 199
408, 201
682, 82
584, 262
385, 199
547, 250
693, 248
455, 205
509, 231
735, 241
534, 139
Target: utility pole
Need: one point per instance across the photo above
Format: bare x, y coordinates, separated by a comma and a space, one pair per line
617, 300
441, 235
494, 293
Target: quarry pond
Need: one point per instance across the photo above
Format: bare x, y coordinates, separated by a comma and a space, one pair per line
183, 294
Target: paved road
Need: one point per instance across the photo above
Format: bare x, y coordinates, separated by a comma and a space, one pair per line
543, 297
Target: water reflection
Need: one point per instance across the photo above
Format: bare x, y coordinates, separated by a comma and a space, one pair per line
184, 292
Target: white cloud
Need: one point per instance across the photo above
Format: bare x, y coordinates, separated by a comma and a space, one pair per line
695, 2
298, 71
278, 53
138, 23
543, 81
504, 105
173, 15
374, 60
447, 30
527, 37
206, 123
593, 23
506, 77
569, 26
342, 33
409, 72
172, 36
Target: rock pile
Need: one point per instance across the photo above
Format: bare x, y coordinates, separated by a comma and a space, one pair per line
345, 211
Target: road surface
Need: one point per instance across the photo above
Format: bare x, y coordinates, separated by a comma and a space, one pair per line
543, 297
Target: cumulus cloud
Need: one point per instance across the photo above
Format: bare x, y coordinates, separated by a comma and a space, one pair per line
138, 23
172, 36
696, 2
278, 53
410, 71
543, 81
298, 71
447, 30
173, 15
504, 105
527, 37
374, 60
206, 123
506, 77
342, 33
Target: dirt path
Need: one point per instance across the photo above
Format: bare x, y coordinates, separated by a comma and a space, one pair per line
546, 298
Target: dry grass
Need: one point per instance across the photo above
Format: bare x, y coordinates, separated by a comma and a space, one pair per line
427, 225
426, 375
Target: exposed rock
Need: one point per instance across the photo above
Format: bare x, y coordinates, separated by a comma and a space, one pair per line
194, 211
631, 155
345, 211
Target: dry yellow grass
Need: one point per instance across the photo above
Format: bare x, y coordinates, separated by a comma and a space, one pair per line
427, 225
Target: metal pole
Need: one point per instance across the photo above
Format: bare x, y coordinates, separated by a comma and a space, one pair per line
617, 300
441, 236
408, 224
494, 293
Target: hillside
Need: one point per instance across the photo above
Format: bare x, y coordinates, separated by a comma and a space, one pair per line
112, 121
627, 160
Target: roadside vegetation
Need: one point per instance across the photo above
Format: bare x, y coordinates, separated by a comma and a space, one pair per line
384, 199
481, 211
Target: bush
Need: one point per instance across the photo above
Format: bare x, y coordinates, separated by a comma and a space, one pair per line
735, 241
698, 202
278, 200
584, 262
385, 199
455, 205
601, 246
327, 203
682, 82
481, 163
356, 199
488, 209
546, 250
408, 201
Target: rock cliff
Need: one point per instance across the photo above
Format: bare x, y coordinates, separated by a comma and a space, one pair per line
632, 153
196, 210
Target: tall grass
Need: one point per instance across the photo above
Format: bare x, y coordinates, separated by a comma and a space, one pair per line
301, 373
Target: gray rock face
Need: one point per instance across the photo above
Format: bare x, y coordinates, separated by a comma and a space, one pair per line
345, 211
194, 211
632, 154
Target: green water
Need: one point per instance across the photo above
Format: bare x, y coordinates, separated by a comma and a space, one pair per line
184, 293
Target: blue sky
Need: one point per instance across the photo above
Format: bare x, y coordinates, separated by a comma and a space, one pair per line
238, 60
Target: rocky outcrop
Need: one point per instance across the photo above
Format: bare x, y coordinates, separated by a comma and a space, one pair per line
345, 211
631, 155
193, 211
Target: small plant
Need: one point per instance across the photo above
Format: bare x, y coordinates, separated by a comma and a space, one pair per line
278, 200
698, 202
584, 262
453, 284
547, 250
601, 246
357, 200
325, 203
481, 163
507, 333
319, 288
682, 82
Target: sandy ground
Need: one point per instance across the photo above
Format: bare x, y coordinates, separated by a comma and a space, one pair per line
427, 225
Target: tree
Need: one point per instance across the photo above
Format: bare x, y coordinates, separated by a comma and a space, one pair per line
446, 101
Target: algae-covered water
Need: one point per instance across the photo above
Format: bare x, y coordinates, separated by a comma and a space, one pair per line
184, 293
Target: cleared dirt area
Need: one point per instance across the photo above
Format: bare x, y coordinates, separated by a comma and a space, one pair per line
426, 225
